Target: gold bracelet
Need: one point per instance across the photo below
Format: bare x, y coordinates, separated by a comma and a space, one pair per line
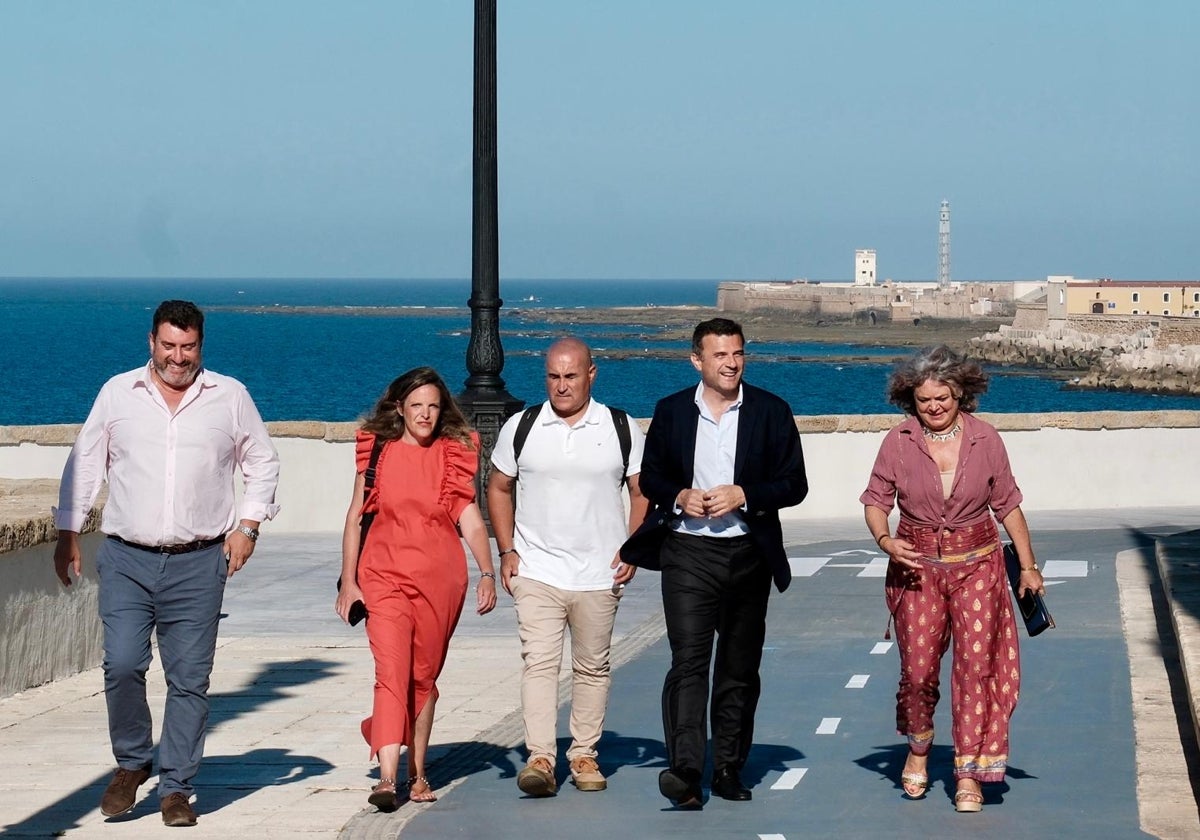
1032, 568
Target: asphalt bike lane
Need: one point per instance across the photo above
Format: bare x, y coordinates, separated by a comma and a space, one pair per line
826, 759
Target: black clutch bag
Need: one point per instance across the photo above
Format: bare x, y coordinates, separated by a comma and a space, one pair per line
358, 610
1032, 607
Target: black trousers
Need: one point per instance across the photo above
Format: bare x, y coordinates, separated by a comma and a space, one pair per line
712, 587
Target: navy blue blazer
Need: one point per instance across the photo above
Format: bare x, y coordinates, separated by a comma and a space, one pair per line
768, 466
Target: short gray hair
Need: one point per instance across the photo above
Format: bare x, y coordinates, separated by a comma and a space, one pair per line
938, 364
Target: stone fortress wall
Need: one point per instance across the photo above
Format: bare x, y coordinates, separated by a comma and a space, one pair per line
886, 301
1155, 354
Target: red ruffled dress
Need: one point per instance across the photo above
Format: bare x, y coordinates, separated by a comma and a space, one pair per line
413, 573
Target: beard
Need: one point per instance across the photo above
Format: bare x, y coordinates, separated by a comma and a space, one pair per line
177, 376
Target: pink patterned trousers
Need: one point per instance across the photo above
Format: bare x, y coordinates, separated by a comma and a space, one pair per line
965, 601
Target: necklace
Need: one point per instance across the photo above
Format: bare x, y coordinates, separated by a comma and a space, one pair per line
944, 436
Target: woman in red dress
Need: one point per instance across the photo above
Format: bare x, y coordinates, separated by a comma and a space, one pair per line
412, 574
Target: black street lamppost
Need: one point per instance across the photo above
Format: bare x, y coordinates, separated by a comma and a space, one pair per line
484, 400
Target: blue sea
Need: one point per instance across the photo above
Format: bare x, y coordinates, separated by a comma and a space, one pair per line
61, 339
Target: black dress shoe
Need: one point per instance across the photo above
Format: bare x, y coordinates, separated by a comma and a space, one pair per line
727, 784
682, 787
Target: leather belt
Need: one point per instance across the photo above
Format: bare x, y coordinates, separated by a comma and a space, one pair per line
179, 548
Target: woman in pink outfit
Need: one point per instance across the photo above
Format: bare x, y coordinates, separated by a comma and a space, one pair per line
412, 573
948, 472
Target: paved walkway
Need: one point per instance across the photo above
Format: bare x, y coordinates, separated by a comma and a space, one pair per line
284, 757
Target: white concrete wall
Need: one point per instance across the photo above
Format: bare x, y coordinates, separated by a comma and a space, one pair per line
1143, 459
316, 478
32, 460
1056, 469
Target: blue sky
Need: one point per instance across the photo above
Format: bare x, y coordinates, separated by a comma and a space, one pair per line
651, 139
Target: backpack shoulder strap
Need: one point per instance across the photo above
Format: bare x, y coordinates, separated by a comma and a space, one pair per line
621, 422
523, 426
370, 472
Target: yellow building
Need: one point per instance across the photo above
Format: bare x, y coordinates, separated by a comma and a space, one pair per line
1068, 296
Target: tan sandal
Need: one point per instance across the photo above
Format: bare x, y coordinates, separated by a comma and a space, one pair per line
914, 782
383, 795
968, 801
419, 790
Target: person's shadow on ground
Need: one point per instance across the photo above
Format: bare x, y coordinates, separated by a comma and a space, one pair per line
888, 762
238, 775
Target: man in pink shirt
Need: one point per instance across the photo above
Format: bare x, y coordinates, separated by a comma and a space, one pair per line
167, 437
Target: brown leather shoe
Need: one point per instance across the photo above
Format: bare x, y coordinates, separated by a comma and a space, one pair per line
177, 811
537, 779
121, 792
586, 775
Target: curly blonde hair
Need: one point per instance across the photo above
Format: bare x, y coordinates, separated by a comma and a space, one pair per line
386, 423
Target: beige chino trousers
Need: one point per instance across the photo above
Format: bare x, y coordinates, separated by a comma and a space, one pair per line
544, 613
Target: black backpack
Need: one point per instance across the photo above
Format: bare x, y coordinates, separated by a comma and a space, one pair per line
620, 420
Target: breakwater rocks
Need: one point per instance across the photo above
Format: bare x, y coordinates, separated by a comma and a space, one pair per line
1131, 361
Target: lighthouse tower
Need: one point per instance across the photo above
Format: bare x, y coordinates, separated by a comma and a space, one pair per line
944, 246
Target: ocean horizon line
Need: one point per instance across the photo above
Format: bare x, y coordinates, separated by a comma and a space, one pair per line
5, 278
375, 279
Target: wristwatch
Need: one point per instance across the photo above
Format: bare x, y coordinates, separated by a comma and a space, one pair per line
252, 533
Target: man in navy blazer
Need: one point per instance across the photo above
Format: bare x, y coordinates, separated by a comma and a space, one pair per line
720, 461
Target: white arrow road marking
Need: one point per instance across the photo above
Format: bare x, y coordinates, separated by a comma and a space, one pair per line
865, 551
881, 647
828, 726
858, 681
771, 837
790, 778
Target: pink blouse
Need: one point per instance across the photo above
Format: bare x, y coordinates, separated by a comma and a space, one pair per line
905, 474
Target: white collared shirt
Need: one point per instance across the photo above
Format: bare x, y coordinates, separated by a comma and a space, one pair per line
170, 475
570, 516
716, 453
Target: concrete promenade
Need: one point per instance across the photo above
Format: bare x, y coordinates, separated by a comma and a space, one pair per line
1103, 739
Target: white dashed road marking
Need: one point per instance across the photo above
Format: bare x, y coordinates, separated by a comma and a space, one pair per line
828, 726
877, 568
1065, 568
858, 681
790, 779
806, 566
881, 647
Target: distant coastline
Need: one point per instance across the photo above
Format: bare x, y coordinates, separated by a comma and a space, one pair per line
675, 323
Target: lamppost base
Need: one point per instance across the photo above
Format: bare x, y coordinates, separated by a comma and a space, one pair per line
486, 410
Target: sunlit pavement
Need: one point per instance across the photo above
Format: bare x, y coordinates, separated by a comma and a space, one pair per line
285, 757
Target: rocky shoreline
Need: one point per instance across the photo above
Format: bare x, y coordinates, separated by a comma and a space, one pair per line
674, 324
1088, 361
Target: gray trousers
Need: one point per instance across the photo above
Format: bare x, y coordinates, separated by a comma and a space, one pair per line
179, 598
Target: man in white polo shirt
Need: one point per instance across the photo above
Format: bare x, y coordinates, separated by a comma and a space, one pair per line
558, 539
